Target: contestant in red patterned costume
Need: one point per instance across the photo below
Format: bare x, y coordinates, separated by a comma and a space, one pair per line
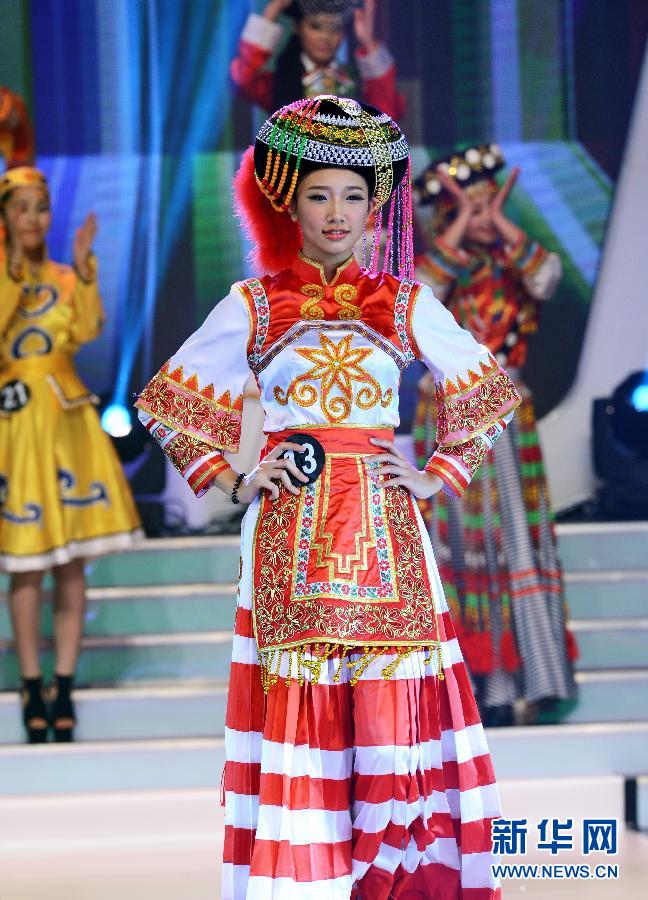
356, 760
16, 141
496, 549
16, 133
307, 65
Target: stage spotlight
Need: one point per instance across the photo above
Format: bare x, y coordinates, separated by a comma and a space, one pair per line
116, 420
620, 430
639, 398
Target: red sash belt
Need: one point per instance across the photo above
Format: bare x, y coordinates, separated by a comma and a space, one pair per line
335, 438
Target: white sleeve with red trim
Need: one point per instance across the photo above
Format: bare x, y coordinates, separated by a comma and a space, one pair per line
194, 405
475, 398
375, 64
262, 33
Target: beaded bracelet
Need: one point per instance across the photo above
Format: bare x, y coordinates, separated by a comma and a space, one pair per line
237, 485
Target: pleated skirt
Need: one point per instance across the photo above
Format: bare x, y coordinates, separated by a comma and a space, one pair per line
380, 789
63, 493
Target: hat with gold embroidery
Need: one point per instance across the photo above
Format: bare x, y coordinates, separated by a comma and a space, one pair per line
328, 132
21, 176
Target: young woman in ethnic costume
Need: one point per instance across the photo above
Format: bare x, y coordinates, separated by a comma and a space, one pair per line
63, 496
356, 761
496, 548
307, 65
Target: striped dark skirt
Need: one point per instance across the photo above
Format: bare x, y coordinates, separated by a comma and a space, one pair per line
498, 561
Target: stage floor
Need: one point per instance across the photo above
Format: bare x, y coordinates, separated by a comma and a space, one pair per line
167, 846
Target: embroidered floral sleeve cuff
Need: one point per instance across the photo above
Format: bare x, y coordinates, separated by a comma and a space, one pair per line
539, 269
179, 405
525, 255
196, 461
475, 398
457, 464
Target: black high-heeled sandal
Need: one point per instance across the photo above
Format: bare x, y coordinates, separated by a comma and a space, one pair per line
35, 715
63, 718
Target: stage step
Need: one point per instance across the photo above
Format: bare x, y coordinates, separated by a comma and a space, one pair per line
591, 547
152, 711
130, 821
153, 672
205, 655
607, 595
564, 751
148, 712
611, 696
111, 766
166, 561
611, 643
167, 608
190, 656
603, 546
144, 609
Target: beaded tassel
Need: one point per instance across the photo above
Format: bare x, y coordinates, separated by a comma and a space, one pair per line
406, 242
270, 662
361, 665
375, 244
389, 247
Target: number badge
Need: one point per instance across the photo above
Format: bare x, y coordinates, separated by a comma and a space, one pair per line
14, 395
310, 461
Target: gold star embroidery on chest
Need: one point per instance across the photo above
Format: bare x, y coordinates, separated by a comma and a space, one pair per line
339, 369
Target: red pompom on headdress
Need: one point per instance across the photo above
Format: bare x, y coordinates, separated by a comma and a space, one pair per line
275, 237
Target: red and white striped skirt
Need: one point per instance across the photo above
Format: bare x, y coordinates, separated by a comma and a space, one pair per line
380, 789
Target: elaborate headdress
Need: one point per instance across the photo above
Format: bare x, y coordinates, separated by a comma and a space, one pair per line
342, 8
321, 133
472, 167
21, 176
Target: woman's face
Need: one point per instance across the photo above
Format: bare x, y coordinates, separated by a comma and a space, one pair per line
332, 207
320, 36
28, 216
480, 228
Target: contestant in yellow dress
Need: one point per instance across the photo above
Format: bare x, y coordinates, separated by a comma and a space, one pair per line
63, 495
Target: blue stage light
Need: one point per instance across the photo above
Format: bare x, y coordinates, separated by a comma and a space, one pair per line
116, 420
639, 398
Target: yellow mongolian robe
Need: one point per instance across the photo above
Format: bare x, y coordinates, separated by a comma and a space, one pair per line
63, 494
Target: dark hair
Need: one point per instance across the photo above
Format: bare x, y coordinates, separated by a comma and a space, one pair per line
289, 72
